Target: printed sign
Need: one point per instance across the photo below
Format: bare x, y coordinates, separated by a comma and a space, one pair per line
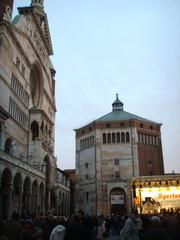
117, 199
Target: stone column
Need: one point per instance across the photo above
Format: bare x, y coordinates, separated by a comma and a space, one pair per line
29, 202
47, 199
20, 202
68, 203
43, 204
36, 201
9, 203
57, 202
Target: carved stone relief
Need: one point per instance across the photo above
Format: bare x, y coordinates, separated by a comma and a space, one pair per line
7, 14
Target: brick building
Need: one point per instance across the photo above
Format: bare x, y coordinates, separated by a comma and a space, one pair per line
109, 152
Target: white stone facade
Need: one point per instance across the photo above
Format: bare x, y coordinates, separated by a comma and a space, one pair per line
29, 176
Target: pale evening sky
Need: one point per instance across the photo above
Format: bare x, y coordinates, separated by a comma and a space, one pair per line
104, 47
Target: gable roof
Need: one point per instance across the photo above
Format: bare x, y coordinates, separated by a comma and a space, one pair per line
41, 22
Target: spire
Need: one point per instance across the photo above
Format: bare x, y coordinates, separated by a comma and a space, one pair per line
6, 8
38, 3
117, 104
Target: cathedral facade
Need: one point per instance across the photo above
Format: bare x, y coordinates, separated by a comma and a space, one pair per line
29, 177
109, 152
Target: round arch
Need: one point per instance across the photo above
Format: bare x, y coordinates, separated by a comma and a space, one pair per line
34, 203
17, 193
5, 194
41, 198
7, 145
26, 201
34, 130
48, 181
53, 199
59, 207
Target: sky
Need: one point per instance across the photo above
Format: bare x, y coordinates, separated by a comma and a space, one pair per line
104, 47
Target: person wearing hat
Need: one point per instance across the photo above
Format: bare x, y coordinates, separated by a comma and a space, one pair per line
58, 233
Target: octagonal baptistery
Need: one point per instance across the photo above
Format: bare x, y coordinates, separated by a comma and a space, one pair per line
109, 152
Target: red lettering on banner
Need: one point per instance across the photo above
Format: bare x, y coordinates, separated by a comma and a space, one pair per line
168, 196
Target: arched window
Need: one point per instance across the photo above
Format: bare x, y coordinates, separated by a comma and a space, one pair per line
113, 138
118, 137
35, 130
36, 84
127, 137
109, 138
7, 146
123, 137
104, 137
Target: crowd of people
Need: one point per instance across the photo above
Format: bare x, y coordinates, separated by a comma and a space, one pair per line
165, 226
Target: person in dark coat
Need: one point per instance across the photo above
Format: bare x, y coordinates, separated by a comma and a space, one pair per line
12, 228
155, 232
30, 232
74, 230
41, 223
